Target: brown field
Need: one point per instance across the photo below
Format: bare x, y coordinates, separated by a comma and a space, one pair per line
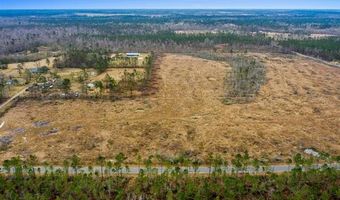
28, 65
296, 109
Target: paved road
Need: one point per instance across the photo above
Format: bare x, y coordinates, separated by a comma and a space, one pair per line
133, 170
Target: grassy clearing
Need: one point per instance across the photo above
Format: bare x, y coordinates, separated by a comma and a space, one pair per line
245, 78
209, 55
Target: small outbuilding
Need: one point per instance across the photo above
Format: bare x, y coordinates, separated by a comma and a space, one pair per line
12, 82
133, 55
39, 70
91, 85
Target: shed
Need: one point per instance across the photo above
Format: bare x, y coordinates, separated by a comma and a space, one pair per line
11, 82
39, 70
91, 85
132, 54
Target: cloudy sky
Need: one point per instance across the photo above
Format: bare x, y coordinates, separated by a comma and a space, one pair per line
168, 4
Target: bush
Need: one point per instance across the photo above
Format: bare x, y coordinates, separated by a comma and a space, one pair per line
3, 66
83, 59
244, 80
65, 85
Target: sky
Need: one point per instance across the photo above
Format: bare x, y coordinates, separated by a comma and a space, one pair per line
169, 4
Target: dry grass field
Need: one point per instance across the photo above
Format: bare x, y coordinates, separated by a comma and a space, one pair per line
116, 73
297, 108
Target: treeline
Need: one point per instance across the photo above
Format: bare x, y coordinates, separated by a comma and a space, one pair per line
201, 39
149, 65
167, 41
327, 48
23, 181
123, 37
216, 38
141, 30
83, 58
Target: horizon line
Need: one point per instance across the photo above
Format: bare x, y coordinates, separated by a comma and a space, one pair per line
170, 9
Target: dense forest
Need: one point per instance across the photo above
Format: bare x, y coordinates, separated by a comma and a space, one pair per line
83, 58
162, 30
327, 49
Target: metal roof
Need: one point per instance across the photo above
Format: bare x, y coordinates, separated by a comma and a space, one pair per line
132, 54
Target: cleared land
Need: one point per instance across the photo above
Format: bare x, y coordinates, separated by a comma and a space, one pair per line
297, 108
116, 73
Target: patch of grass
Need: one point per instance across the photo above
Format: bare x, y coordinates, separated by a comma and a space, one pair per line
209, 55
